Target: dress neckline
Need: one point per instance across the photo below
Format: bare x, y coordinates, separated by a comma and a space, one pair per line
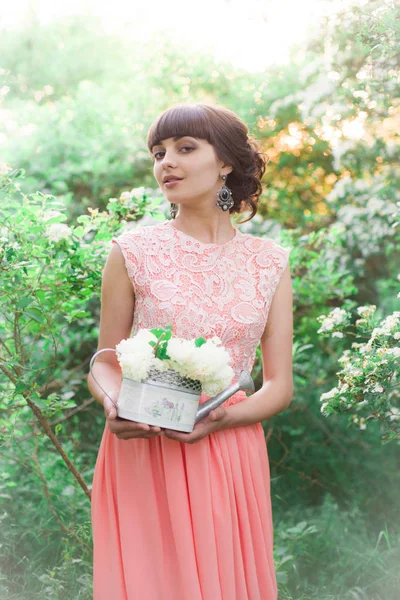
184, 235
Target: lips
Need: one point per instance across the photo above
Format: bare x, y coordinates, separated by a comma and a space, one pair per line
167, 179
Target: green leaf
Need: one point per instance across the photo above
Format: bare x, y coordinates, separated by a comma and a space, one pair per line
24, 302
36, 315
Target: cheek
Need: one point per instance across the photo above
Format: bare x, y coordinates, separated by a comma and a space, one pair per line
204, 171
157, 171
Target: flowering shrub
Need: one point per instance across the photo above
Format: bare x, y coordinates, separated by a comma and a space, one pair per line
368, 381
50, 272
368, 211
198, 359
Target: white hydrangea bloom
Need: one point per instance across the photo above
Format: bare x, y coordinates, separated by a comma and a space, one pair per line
135, 366
207, 363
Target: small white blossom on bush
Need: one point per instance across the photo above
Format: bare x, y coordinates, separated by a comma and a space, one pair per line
369, 373
126, 198
377, 388
366, 311
394, 413
337, 317
58, 231
5, 168
50, 214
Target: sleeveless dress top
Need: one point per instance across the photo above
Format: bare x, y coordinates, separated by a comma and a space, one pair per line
176, 521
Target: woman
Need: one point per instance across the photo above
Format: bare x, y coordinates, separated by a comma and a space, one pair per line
187, 516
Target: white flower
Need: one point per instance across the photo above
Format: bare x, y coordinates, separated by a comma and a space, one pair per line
50, 214
135, 366
5, 168
362, 403
335, 318
338, 334
377, 388
139, 344
393, 414
344, 388
331, 394
207, 363
366, 311
394, 351
58, 231
126, 198
137, 193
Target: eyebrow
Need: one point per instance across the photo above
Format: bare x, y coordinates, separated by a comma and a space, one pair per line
176, 138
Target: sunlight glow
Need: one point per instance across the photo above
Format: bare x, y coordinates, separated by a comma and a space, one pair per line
252, 34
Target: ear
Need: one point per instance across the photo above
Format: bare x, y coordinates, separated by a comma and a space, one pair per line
228, 170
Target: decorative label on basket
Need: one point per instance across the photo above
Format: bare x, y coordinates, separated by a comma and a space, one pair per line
157, 405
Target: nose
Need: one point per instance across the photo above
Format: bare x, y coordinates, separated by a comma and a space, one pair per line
167, 160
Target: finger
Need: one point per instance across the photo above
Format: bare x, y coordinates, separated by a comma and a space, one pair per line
109, 409
128, 435
217, 414
122, 425
187, 438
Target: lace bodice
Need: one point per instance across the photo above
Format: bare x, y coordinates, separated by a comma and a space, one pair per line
204, 289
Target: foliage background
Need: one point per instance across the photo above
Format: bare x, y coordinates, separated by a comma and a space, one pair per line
75, 113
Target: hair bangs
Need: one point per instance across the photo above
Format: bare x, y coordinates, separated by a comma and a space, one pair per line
179, 121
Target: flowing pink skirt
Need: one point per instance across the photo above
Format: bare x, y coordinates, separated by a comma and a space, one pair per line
176, 521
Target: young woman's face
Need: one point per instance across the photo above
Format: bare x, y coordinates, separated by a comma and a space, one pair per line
196, 164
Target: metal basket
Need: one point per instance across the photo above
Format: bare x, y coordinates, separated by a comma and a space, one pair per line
174, 380
168, 399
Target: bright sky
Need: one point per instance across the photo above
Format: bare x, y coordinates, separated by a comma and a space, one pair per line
250, 33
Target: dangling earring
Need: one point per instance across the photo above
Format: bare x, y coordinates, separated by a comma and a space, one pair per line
173, 210
224, 195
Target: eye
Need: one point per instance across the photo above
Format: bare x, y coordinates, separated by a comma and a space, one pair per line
161, 151
187, 148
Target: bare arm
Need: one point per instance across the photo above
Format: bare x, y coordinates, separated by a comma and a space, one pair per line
116, 319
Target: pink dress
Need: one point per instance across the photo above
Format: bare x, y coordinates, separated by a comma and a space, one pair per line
176, 521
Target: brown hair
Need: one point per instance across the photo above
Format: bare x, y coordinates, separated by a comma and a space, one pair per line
229, 135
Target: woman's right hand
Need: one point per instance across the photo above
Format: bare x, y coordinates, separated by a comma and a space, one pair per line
124, 429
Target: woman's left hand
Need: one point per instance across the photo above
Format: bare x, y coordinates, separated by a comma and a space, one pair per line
215, 421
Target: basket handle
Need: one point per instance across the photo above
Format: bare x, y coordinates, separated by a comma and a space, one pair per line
91, 372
